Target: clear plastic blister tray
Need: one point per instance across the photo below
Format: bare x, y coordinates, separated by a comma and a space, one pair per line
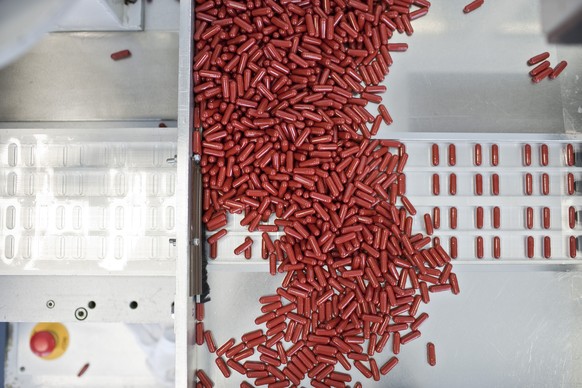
85, 201
512, 200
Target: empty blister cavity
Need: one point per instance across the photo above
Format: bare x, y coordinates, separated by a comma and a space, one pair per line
9, 247
12, 154
10, 217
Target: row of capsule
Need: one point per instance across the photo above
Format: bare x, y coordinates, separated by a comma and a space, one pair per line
569, 153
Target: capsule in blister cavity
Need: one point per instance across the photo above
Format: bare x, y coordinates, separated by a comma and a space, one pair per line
478, 184
494, 155
529, 214
452, 184
436, 217
452, 155
453, 247
544, 155
545, 184
478, 157
572, 244
529, 247
436, 185
479, 247
527, 155
546, 217
496, 217
547, 247
453, 217
571, 185
572, 217
479, 217
435, 154
528, 184
570, 155
495, 184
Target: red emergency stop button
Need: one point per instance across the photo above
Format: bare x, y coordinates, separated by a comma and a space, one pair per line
42, 343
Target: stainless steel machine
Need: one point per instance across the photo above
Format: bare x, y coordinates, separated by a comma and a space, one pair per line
96, 196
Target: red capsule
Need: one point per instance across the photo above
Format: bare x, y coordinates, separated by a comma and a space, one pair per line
453, 218
478, 184
478, 157
223, 367
547, 247
436, 186
529, 218
454, 284
452, 155
453, 247
436, 217
116, 56
538, 78
496, 217
244, 246
538, 58
496, 247
544, 155
428, 224
494, 155
540, 69
452, 184
389, 365
546, 217
204, 379
196, 142
572, 217
570, 155
572, 244
435, 154
527, 155
479, 217
480, 250
473, 6
558, 69
199, 313
225, 347
431, 354
571, 184
545, 184
199, 333
528, 184
529, 247
495, 184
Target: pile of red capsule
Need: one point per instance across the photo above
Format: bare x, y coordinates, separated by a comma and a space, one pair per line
281, 89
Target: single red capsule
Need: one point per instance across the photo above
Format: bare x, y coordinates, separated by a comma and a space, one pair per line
479, 217
452, 184
494, 155
570, 155
431, 354
546, 217
435, 154
528, 184
452, 155
478, 157
544, 155
571, 184
527, 155
495, 184
529, 218
529, 247
547, 247
572, 217
480, 250
436, 185
478, 184
453, 247
545, 184
453, 218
